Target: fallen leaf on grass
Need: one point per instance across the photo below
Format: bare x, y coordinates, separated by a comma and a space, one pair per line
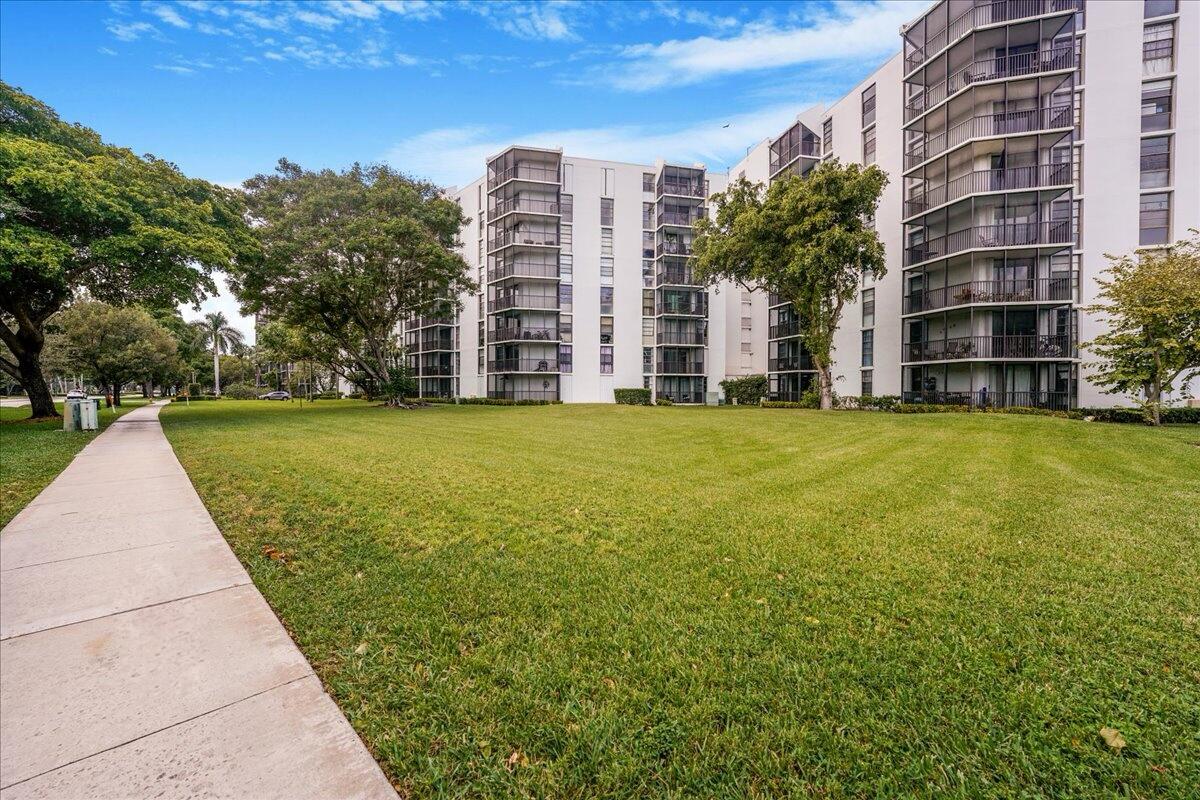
516, 759
812, 620
1113, 738
362, 648
274, 553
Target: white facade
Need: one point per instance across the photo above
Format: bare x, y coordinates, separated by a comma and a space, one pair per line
1023, 140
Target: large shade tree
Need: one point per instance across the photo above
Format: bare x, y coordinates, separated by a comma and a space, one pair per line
348, 255
79, 217
1151, 305
216, 334
808, 239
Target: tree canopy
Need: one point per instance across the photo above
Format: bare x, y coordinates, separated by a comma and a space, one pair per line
348, 255
81, 217
807, 239
1151, 302
114, 345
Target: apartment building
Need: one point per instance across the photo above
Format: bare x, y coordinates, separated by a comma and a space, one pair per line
1024, 139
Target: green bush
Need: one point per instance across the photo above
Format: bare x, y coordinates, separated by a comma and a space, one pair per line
354, 396
811, 398
931, 408
632, 397
194, 390
664, 401
239, 391
332, 394
196, 398
747, 391
499, 401
782, 404
1036, 412
1169, 416
429, 400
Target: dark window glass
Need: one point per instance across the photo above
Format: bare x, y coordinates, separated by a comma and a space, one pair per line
1156, 105
868, 105
1156, 162
1160, 8
606, 360
1154, 219
606, 211
868, 348
868, 381
565, 357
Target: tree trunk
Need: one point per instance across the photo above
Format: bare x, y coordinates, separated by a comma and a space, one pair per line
217, 371
824, 383
41, 402
116, 395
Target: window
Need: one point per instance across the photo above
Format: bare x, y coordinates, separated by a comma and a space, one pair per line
647, 181
606, 239
647, 329
1156, 105
1154, 219
1156, 162
868, 348
606, 359
869, 146
606, 299
647, 273
566, 357
606, 211
747, 347
609, 182
868, 105
1158, 48
1077, 169
606, 270
566, 327
566, 267
480, 369
566, 295
1077, 222
1160, 8
647, 215
647, 304
481, 251
827, 137
868, 308
566, 237
868, 381
606, 330
647, 244
647, 360
566, 207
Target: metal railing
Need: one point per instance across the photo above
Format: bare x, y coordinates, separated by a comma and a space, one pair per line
429, 370
1023, 346
541, 238
677, 248
430, 322
1029, 290
681, 218
523, 269
979, 15
530, 205
682, 337
430, 345
682, 309
1001, 123
679, 276
782, 158
523, 334
784, 330
790, 364
683, 396
1013, 234
989, 180
530, 171
1056, 401
1048, 59
540, 302
683, 188
679, 367
523, 394
523, 365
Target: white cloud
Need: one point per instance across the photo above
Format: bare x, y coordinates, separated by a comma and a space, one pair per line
130, 31
353, 8
544, 20
177, 69
849, 31
415, 9
106, 51
322, 21
168, 15
227, 304
455, 156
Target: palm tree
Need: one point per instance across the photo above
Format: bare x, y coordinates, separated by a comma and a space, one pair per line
215, 331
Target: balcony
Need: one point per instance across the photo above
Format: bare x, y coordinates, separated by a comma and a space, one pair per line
790, 364
785, 156
683, 309
534, 172
1017, 234
1055, 401
430, 322
673, 249
682, 338
1032, 290
784, 330
529, 301
1018, 346
1004, 123
675, 276
431, 345
1049, 59
980, 15
548, 395
682, 219
523, 334
989, 180
679, 367
433, 370
523, 365
523, 205
680, 187
521, 268
523, 237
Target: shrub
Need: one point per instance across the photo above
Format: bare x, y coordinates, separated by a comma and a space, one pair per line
429, 400
500, 401
664, 401
354, 396
196, 398
748, 390
239, 391
811, 398
331, 394
194, 390
782, 404
632, 397
931, 408
1169, 416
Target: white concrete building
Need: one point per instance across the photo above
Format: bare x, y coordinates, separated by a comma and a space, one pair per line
1023, 139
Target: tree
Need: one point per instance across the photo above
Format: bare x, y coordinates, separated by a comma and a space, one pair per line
78, 216
1152, 306
806, 239
114, 345
215, 332
348, 255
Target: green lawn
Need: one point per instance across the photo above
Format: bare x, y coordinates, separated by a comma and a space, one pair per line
33, 453
584, 601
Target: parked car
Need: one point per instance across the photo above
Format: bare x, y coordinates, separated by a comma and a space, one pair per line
77, 394
276, 395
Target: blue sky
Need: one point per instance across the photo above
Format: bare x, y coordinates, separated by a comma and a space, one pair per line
224, 89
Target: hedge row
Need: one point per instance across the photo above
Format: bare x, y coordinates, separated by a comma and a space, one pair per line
1172, 416
497, 401
632, 397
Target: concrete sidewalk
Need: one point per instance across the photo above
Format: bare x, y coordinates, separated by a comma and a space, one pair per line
137, 659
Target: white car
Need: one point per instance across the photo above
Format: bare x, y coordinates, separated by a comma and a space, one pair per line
77, 394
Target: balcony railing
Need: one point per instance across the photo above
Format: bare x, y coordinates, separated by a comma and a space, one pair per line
999, 124
682, 188
1031, 290
430, 322
782, 158
983, 14
523, 365
784, 330
682, 309
989, 69
430, 345
523, 269
550, 395
432, 370
540, 238
523, 334
673, 249
1056, 401
678, 276
525, 172
682, 337
790, 364
680, 367
683, 396
681, 218
541, 302
989, 180
524, 204
990, 347
1016, 234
